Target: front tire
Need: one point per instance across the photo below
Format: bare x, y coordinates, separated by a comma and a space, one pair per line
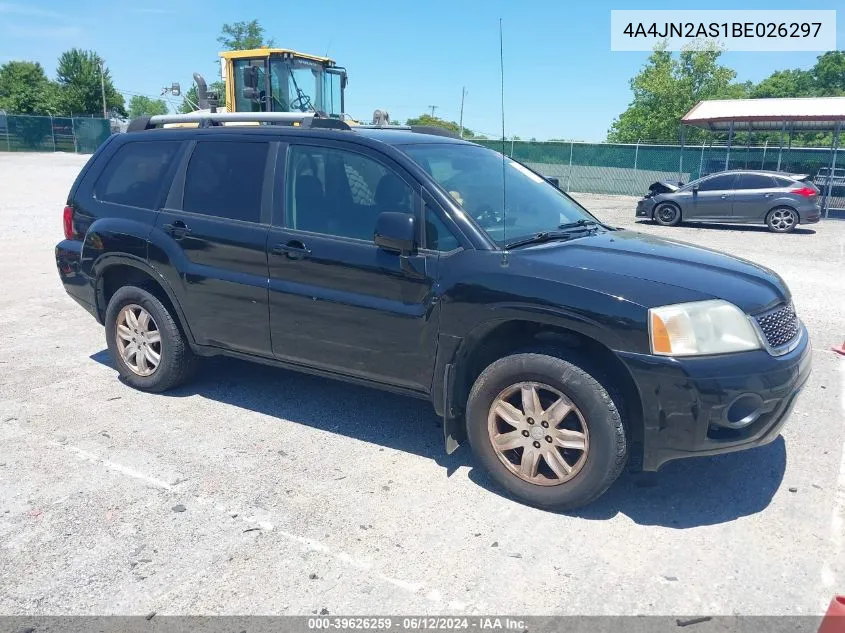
782, 220
545, 430
667, 214
145, 343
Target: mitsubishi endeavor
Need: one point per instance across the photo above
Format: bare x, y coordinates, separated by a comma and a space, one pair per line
560, 347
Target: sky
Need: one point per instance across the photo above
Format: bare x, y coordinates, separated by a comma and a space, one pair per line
561, 79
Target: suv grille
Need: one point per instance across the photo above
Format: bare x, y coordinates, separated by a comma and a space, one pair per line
779, 326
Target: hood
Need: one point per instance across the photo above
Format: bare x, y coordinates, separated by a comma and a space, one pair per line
664, 186
699, 271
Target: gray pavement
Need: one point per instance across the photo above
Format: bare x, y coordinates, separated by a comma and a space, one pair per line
301, 494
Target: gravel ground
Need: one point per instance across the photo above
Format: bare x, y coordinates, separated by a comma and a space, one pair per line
260, 491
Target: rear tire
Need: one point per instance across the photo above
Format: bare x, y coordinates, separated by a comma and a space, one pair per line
782, 220
667, 214
561, 464
146, 345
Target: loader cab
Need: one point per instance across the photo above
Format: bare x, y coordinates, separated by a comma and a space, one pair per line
280, 80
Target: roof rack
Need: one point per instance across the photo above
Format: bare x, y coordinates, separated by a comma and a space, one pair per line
211, 119
419, 129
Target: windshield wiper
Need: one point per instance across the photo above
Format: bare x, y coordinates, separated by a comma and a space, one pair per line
539, 238
565, 231
578, 224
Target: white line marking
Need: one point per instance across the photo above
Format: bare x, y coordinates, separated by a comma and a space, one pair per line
306, 543
120, 468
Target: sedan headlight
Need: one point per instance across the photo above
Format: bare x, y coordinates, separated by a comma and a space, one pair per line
699, 328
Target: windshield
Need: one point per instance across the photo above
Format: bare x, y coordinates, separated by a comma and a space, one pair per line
296, 85
472, 176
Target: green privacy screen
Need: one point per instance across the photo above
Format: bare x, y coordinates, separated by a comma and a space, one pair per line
52, 134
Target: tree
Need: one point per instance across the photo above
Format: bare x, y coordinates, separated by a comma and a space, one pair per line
25, 89
427, 119
79, 75
243, 36
140, 105
829, 74
667, 87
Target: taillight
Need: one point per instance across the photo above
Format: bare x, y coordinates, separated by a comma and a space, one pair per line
807, 192
67, 221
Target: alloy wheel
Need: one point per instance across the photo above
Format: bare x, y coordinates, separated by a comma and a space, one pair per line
138, 340
667, 213
538, 433
782, 219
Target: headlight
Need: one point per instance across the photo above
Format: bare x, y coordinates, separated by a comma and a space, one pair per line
699, 328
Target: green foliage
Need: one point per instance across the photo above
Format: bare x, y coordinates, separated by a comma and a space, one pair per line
829, 74
667, 87
25, 89
140, 105
785, 83
243, 36
78, 75
427, 119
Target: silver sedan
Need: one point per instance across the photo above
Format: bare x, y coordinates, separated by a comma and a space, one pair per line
781, 201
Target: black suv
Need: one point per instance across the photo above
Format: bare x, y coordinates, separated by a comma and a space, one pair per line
561, 347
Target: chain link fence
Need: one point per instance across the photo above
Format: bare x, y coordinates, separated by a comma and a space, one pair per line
629, 169
52, 134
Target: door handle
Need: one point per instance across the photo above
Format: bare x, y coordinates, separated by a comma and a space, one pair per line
178, 229
293, 249
768, 195
724, 195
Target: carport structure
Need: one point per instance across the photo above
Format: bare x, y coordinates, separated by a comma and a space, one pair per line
786, 116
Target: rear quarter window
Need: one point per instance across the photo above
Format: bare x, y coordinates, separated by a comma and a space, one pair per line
134, 175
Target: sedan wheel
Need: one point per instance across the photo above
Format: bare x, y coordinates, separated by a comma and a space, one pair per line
667, 214
538, 433
782, 220
138, 340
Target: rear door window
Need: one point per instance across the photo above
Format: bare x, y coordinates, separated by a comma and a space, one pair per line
717, 183
135, 174
754, 181
225, 179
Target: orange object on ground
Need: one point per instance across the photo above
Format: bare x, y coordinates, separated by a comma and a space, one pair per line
834, 620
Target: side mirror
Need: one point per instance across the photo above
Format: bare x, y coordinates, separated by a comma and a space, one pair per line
395, 232
553, 181
695, 188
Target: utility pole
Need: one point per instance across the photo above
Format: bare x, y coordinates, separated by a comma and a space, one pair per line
103, 90
463, 95
433, 108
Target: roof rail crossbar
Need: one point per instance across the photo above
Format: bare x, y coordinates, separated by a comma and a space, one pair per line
419, 129
205, 119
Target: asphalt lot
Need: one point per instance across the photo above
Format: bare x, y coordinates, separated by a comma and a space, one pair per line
302, 494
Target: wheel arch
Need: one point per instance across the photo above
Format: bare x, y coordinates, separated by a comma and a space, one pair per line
492, 341
114, 272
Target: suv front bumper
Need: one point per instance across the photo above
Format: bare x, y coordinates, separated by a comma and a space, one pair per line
688, 403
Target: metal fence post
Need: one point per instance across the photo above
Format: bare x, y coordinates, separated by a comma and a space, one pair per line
511, 147
730, 138
73, 133
569, 173
701, 160
763, 162
53, 132
832, 167
681, 157
636, 154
